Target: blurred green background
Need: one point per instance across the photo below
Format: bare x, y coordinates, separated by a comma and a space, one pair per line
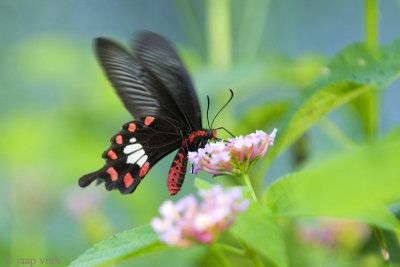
58, 111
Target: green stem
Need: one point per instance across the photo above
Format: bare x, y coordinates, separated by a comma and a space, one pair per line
220, 256
252, 255
369, 101
232, 249
371, 22
381, 240
219, 33
247, 182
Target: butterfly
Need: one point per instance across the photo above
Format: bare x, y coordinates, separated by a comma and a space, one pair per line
156, 89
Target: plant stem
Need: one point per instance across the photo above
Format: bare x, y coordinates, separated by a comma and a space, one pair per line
252, 255
371, 22
218, 253
255, 259
382, 243
219, 33
369, 101
247, 182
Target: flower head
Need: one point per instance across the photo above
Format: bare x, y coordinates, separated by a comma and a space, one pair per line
233, 157
190, 221
334, 233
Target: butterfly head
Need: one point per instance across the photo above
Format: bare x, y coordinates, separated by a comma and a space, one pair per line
211, 134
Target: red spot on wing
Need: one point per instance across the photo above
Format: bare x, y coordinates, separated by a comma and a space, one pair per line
128, 180
113, 173
144, 169
118, 139
112, 154
148, 120
132, 127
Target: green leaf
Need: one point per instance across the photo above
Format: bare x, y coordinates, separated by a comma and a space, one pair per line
131, 243
357, 185
202, 184
356, 70
260, 232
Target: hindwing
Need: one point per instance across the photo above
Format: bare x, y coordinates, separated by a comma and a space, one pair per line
133, 152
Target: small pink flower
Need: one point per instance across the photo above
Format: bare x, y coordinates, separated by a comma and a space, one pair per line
331, 232
203, 221
168, 210
190, 221
172, 236
233, 157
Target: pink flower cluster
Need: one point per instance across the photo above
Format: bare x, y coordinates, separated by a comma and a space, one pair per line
233, 157
333, 233
189, 221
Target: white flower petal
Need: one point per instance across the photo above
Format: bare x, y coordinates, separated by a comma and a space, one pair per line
160, 225
172, 236
203, 221
168, 210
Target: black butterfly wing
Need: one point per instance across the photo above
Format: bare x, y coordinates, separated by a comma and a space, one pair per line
156, 89
142, 93
133, 152
157, 55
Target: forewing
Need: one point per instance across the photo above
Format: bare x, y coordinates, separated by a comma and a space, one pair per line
141, 92
157, 55
133, 152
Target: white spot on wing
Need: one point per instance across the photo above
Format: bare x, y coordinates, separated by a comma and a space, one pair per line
135, 156
142, 161
132, 140
129, 149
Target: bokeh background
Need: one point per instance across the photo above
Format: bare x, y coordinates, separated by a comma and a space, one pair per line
57, 110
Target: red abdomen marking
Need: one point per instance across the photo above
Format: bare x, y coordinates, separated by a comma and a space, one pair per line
177, 171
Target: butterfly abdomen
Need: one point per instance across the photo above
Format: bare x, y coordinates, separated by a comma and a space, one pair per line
177, 171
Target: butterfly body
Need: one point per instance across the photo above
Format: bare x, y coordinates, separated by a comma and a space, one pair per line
156, 89
177, 172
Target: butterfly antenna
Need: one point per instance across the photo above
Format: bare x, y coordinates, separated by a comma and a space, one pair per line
208, 109
222, 108
223, 128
